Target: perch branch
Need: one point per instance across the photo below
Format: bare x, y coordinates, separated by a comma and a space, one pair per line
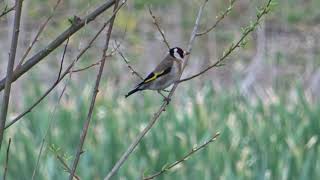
162, 108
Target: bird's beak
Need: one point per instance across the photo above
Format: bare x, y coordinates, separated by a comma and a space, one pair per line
186, 53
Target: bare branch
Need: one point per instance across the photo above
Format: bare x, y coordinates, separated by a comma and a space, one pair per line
155, 117
67, 71
94, 95
129, 66
7, 160
12, 56
61, 160
219, 19
247, 31
75, 27
184, 158
35, 39
6, 10
159, 28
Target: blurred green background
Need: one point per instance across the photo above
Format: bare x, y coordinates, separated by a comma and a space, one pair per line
264, 101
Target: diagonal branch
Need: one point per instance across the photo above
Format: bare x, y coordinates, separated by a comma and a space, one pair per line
129, 66
155, 22
6, 10
93, 99
219, 19
35, 39
162, 108
7, 160
12, 56
64, 164
184, 158
67, 71
75, 27
52, 113
247, 31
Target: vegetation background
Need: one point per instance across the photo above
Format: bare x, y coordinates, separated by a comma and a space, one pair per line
264, 101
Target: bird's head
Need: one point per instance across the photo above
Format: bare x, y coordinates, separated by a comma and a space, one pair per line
178, 53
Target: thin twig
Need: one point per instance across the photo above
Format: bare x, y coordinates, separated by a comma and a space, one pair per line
155, 117
6, 10
184, 158
247, 31
219, 19
52, 113
67, 71
94, 95
93, 64
7, 160
61, 160
35, 39
12, 56
75, 27
129, 66
155, 22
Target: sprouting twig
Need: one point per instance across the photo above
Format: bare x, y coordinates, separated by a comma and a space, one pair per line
93, 98
129, 66
67, 71
159, 28
64, 164
184, 158
12, 56
247, 31
54, 44
155, 117
6, 10
35, 39
219, 19
7, 160
52, 113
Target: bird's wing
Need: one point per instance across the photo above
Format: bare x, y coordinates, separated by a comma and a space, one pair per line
155, 75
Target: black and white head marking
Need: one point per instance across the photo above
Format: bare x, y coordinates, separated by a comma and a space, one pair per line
177, 53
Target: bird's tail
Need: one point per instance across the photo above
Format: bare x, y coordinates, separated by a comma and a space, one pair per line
133, 91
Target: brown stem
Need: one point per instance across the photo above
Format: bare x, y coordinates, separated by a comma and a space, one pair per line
93, 99
12, 56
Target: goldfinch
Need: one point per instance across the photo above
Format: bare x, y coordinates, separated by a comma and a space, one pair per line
165, 74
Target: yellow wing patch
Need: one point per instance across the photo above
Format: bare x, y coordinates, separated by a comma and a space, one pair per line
154, 77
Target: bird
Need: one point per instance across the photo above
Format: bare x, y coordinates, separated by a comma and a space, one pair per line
164, 74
